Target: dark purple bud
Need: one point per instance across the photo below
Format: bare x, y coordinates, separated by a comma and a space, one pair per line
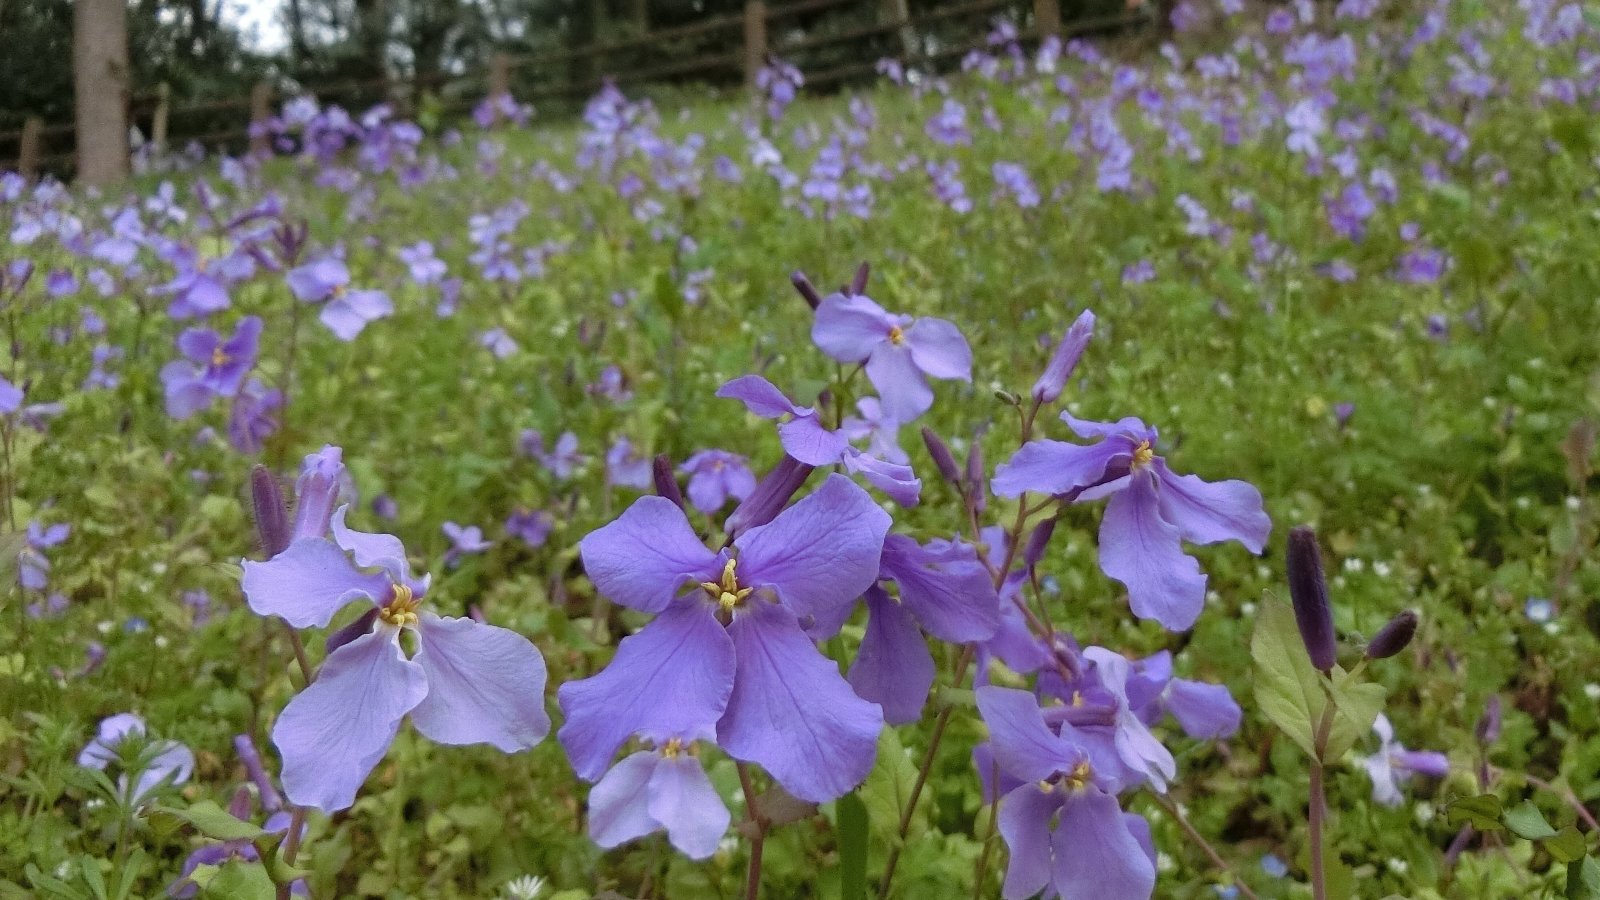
943, 460
239, 806
1082, 715
1488, 730
666, 481
977, 485
246, 748
272, 516
1393, 637
1064, 359
807, 291
1309, 591
858, 284
772, 493
352, 631
1037, 542
316, 492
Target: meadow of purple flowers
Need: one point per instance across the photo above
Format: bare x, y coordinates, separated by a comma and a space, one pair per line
896, 589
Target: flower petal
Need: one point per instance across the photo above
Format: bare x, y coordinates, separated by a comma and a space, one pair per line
1128, 427
334, 732
1096, 855
619, 809
1204, 711
485, 685
893, 668
1021, 743
1145, 553
172, 765
805, 439
848, 328
307, 583
1207, 512
681, 798
945, 587
1056, 467
1024, 823
902, 389
820, 553
939, 350
791, 711
761, 397
671, 679
370, 548
644, 557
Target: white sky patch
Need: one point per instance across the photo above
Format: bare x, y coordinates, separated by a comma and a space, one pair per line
259, 23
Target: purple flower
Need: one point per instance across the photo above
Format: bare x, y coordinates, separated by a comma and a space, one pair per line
881, 432
171, 763
496, 341
900, 353
726, 658
1060, 816
10, 397
805, 439
468, 683
949, 125
532, 527
254, 416
1393, 764
425, 268
464, 541
660, 789
200, 287
1204, 711
1152, 511
562, 461
212, 367
1012, 178
626, 467
345, 312
242, 807
716, 475
943, 589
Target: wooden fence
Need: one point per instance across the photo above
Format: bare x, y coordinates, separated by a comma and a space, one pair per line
696, 53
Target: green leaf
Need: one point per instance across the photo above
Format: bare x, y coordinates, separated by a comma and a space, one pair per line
852, 830
1293, 694
213, 821
1566, 846
1481, 812
1358, 704
239, 880
1525, 821
888, 789
1583, 880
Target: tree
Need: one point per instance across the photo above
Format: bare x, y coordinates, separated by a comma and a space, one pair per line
100, 87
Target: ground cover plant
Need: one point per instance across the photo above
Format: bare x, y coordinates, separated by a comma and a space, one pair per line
1188, 496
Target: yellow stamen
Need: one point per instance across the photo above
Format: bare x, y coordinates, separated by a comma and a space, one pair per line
1078, 777
897, 336
218, 358
1142, 454
338, 291
673, 748
726, 591
402, 607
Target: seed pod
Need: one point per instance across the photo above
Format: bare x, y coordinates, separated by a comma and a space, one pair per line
807, 291
1393, 637
943, 460
272, 516
1309, 591
666, 482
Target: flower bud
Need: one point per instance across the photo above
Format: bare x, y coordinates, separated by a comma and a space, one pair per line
807, 291
772, 493
1488, 729
666, 482
1393, 637
272, 516
858, 284
1064, 359
1309, 591
977, 485
316, 492
943, 460
352, 631
251, 759
1038, 540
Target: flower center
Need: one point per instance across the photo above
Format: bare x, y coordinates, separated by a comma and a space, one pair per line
337, 291
219, 358
673, 748
1078, 777
1142, 454
897, 335
401, 610
726, 591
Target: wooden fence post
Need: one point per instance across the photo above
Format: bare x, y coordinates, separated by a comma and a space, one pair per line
30, 154
260, 112
755, 40
158, 119
499, 75
1047, 18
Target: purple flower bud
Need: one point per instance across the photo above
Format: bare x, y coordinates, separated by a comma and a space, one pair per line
807, 291
246, 748
1064, 359
358, 628
316, 492
858, 284
769, 497
1488, 729
1393, 637
1309, 591
272, 516
977, 483
666, 481
943, 460
1037, 542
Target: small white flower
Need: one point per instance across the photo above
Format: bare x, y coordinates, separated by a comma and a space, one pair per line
1592, 691
1354, 564
1380, 569
525, 887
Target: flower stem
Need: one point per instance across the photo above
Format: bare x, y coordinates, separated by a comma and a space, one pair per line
1200, 841
752, 881
1319, 803
291, 845
300, 654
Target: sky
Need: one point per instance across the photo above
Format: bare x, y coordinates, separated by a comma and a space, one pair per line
258, 22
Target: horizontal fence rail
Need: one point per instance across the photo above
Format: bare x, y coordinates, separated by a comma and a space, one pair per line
828, 52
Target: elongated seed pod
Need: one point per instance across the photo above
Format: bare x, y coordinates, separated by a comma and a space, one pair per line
1309, 591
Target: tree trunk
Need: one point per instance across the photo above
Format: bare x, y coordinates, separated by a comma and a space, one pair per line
100, 85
